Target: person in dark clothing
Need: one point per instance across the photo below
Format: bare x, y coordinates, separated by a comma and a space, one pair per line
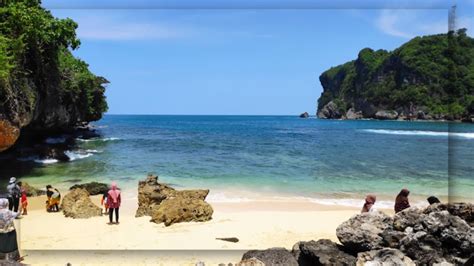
433, 200
14, 193
401, 202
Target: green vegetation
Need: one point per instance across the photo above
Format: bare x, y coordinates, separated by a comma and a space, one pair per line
430, 73
37, 68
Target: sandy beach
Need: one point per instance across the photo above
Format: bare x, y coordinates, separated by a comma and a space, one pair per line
52, 239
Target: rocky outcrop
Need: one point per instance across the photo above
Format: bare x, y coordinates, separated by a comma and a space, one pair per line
273, 256
167, 205
330, 111
385, 256
78, 205
93, 188
463, 210
321, 252
352, 114
399, 80
386, 115
414, 236
363, 232
304, 115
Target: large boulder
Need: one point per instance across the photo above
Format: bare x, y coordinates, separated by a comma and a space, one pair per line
321, 252
150, 194
386, 256
181, 209
9, 133
272, 256
465, 211
409, 217
330, 111
167, 205
94, 188
439, 236
363, 232
77, 204
386, 115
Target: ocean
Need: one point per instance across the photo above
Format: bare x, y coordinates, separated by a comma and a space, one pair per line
243, 158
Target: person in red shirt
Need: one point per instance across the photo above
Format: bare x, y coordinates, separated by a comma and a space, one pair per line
23, 199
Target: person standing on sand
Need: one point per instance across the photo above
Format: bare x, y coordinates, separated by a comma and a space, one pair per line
8, 241
369, 202
401, 202
54, 198
113, 202
13, 195
23, 200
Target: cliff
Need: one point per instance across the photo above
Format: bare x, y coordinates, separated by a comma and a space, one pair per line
44, 89
429, 77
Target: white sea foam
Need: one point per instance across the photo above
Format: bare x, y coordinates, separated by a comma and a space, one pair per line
97, 139
382, 204
421, 133
222, 198
55, 140
74, 155
45, 161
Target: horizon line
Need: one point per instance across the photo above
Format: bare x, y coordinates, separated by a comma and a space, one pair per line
212, 114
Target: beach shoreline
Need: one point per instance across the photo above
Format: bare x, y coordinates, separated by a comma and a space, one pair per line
257, 225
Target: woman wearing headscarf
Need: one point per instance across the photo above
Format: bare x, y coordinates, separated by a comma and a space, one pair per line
113, 202
8, 243
369, 202
401, 202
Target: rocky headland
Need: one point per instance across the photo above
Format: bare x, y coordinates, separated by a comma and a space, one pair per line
45, 91
441, 234
427, 78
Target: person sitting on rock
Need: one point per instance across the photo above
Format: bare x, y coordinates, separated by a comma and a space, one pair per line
369, 202
401, 202
54, 198
113, 201
433, 200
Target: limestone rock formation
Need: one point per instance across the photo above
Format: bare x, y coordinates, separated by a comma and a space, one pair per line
93, 188
272, 256
32, 191
78, 205
363, 232
8, 134
386, 115
330, 111
165, 204
352, 114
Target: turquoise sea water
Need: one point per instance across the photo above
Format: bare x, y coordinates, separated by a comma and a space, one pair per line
240, 156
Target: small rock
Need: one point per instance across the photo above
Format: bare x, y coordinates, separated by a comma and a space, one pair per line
94, 188
304, 115
321, 252
386, 115
229, 239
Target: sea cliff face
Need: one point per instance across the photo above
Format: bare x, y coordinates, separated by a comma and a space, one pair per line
430, 77
44, 89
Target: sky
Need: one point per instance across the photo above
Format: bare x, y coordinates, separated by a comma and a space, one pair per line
238, 57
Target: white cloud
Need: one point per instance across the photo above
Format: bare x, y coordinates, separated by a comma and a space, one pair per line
388, 21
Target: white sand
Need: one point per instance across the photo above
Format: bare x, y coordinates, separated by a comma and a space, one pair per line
52, 239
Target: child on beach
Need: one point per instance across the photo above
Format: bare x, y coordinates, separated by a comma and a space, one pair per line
113, 202
23, 199
104, 203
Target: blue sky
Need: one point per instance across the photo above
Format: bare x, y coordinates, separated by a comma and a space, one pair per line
243, 57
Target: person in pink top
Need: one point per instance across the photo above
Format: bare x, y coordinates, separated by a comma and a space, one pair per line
113, 201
